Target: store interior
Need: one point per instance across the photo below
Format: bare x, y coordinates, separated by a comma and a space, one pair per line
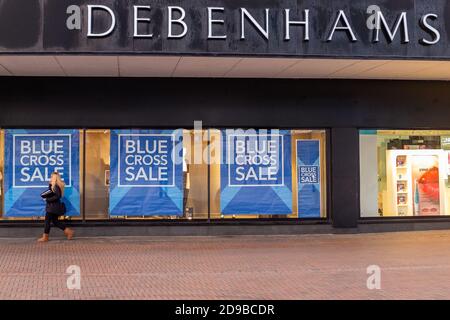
404, 173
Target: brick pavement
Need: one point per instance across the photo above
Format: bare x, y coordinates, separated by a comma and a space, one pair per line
414, 265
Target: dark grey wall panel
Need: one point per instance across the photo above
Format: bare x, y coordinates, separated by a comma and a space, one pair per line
145, 102
345, 177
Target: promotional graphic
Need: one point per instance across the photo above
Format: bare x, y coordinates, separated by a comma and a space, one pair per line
30, 158
256, 173
146, 173
425, 175
308, 177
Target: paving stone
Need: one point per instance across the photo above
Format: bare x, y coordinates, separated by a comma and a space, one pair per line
414, 265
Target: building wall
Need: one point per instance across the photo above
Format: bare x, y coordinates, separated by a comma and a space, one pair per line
340, 106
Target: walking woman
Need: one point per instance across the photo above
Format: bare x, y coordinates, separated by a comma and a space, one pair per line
55, 208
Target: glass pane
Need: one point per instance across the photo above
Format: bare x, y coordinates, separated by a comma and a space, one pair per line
28, 158
96, 189
268, 174
404, 173
309, 187
195, 174
129, 174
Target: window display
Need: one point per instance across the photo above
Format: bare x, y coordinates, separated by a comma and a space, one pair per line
256, 172
404, 173
290, 184
171, 174
308, 164
133, 180
146, 173
30, 157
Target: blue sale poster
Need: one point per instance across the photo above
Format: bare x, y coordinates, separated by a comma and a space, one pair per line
30, 158
308, 177
256, 172
146, 173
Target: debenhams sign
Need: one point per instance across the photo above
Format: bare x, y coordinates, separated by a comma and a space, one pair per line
178, 27
344, 28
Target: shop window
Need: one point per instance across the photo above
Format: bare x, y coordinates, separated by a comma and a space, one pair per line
28, 159
195, 174
97, 174
404, 173
267, 174
174, 174
146, 174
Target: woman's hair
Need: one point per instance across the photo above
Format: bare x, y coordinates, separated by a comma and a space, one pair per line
58, 182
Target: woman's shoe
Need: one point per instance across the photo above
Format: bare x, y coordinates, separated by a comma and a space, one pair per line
69, 233
44, 238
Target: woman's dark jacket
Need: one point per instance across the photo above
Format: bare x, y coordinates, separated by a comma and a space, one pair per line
54, 202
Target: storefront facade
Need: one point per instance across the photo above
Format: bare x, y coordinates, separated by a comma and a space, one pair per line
288, 116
